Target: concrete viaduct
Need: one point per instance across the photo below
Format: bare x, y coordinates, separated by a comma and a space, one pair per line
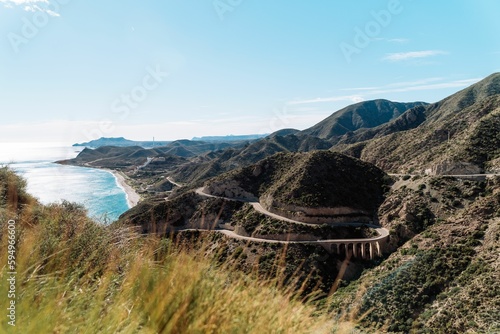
364, 248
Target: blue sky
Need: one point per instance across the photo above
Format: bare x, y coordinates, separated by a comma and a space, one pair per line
73, 70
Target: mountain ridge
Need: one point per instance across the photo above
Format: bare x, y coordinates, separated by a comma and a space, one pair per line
367, 114
452, 130
439, 272
419, 138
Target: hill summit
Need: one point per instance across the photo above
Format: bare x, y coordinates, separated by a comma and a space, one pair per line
314, 187
461, 130
362, 115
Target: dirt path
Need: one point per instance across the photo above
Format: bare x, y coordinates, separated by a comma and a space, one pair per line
173, 182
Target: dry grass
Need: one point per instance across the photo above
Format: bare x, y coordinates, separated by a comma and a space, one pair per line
78, 276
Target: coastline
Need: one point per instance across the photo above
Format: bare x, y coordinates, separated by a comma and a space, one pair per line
132, 196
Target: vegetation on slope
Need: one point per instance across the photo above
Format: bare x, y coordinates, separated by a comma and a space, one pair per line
185, 211
314, 179
444, 274
462, 127
445, 277
255, 223
483, 144
326, 179
218, 162
363, 115
339, 126
77, 276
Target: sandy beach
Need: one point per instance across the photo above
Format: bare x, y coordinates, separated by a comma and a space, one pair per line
132, 196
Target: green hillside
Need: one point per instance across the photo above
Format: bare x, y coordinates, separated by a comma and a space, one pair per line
461, 128
77, 276
439, 271
315, 179
363, 115
444, 274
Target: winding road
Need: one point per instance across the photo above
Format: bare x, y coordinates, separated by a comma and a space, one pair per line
373, 242
460, 176
383, 232
173, 182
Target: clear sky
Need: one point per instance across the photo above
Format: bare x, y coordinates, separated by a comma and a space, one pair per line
74, 70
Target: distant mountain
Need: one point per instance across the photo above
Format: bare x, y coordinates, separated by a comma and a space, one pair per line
229, 138
439, 272
368, 114
214, 163
129, 156
121, 142
182, 148
119, 157
408, 120
334, 129
460, 134
399, 137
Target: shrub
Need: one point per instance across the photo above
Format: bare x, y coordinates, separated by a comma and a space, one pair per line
78, 276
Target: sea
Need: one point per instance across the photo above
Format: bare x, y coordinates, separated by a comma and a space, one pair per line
97, 190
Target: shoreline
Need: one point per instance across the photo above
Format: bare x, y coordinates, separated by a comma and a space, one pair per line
132, 196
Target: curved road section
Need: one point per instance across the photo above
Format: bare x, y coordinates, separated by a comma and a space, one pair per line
383, 232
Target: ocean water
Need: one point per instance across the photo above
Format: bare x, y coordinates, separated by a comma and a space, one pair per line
96, 189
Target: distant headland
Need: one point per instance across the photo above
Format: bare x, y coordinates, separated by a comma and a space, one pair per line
123, 142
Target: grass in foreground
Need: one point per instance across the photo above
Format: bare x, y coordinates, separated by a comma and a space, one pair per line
77, 276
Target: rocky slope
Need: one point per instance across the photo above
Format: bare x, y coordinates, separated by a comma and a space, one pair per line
126, 155
363, 115
215, 163
351, 122
444, 274
397, 137
333, 184
440, 271
461, 128
312, 187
